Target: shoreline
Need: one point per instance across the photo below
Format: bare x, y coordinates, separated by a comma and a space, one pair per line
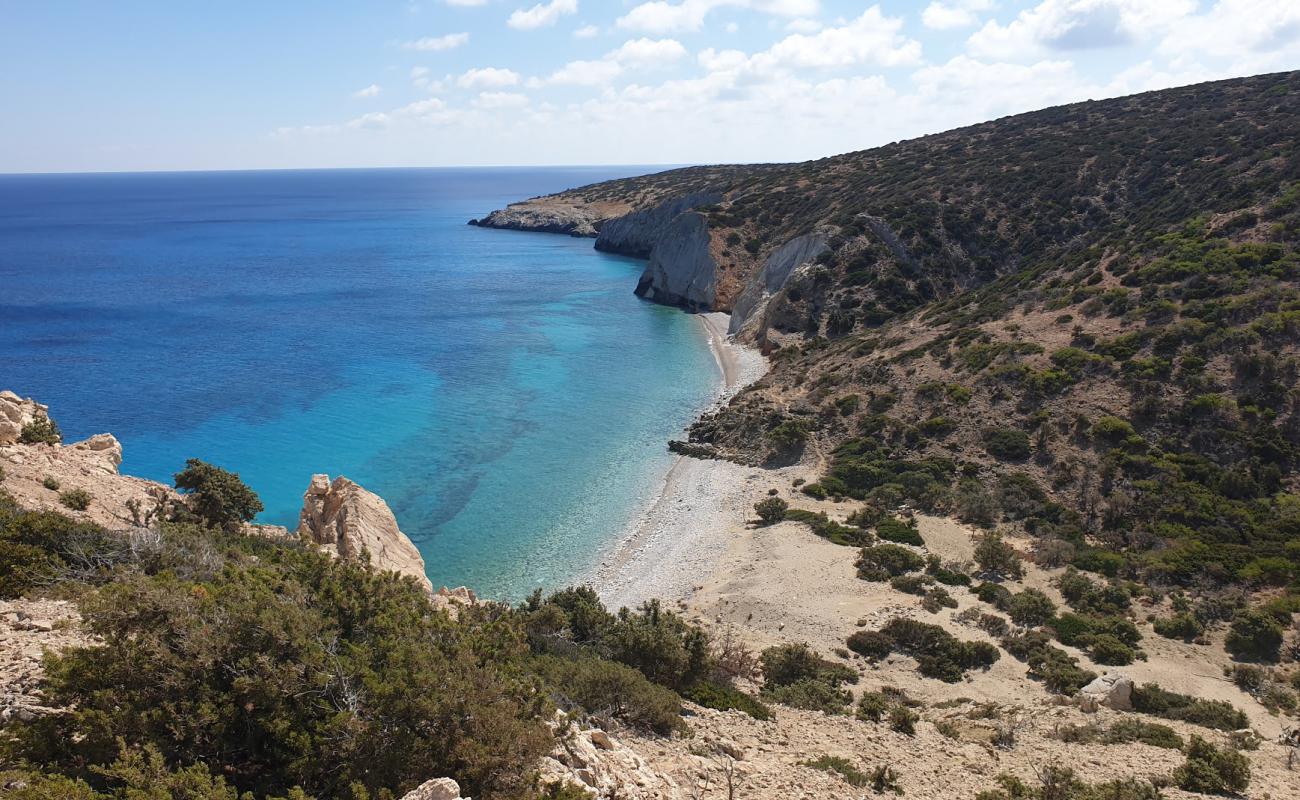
675, 544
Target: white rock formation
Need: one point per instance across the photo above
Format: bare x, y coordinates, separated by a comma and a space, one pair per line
346, 520
1114, 691
15, 412
436, 789
772, 277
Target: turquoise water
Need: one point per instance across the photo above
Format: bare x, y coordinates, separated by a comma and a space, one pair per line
505, 392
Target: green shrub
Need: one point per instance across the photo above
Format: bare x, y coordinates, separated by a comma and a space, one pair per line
1112, 430
1151, 699
1059, 671
938, 653
75, 499
1210, 770
607, 688
790, 663
895, 530
903, 720
936, 599
1254, 635
810, 695
50, 483
712, 694
841, 767
883, 561
41, 430
945, 574
1031, 608
1006, 444
771, 510
873, 706
873, 645
216, 496
1108, 650
994, 594
997, 558
912, 584
1135, 730
1183, 626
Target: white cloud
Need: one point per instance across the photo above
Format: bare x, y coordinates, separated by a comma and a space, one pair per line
1253, 35
872, 38
661, 16
635, 54
586, 32
946, 14
421, 108
1067, 25
375, 120
370, 91
500, 100
804, 25
647, 52
448, 41
542, 14
488, 78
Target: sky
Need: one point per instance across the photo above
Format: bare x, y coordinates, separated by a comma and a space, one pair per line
129, 85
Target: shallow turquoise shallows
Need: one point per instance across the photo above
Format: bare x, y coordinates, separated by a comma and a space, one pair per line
505, 392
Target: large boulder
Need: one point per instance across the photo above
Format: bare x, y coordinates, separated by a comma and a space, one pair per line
436, 789
346, 520
16, 412
1114, 691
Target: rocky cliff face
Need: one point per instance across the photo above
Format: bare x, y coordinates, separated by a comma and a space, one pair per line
682, 271
545, 217
345, 519
773, 275
36, 475
636, 234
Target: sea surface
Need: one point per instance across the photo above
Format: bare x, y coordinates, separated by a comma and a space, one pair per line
505, 392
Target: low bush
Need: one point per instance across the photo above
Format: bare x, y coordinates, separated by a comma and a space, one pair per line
1058, 670
873, 706
606, 688
994, 594
75, 499
884, 561
842, 767
50, 483
1135, 730
997, 558
1217, 714
1211, 770
903, 720
1254, 635
1183, 626
938, 653
944, 573
912, 584
1060, 783
893, 529
810, 695
873, 645
936, 599
1031, 608
1110, 651
719, 696
794, 675
41, 430
1006, 444
771, 510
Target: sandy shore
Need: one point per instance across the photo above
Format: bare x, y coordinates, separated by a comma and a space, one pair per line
676, 543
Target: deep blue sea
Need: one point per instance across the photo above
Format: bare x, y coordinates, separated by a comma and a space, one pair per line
505, 392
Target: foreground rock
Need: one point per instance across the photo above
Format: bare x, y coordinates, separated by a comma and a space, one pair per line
436, 789
16, 412
38, 476
347, 520
1113, 691
28, 628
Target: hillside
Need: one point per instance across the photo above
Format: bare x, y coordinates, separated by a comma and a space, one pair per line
1081, 320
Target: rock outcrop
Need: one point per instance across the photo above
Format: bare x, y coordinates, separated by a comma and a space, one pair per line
346, 520
636, 234
27, 629
603, 766
1113, 691
16, 412
769, 280
682, 271
36, 475
543, 216
436, 789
